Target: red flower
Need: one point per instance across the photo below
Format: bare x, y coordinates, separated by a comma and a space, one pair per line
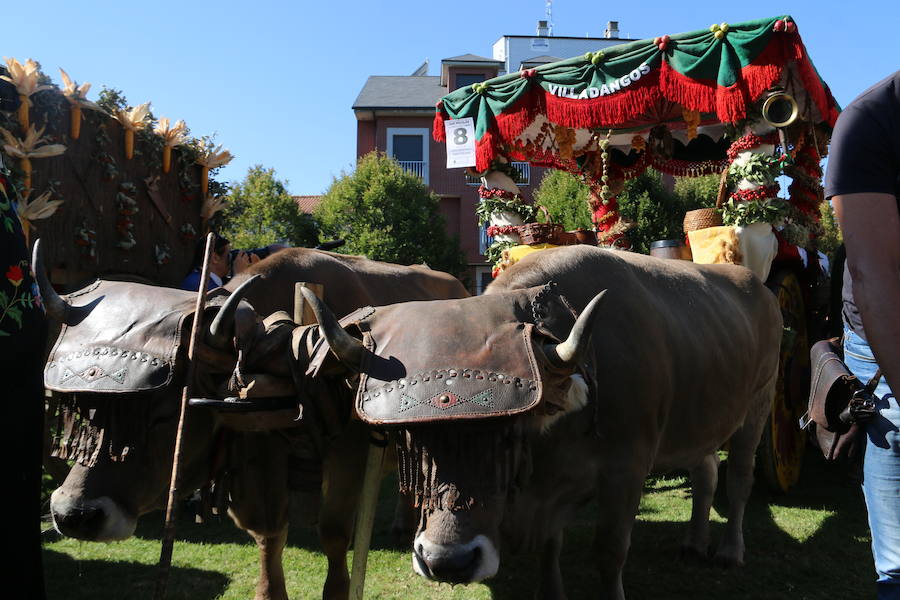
15, 275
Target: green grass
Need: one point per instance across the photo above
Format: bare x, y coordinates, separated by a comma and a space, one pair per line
810, 544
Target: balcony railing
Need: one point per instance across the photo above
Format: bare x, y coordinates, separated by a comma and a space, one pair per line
419, 168
524, 169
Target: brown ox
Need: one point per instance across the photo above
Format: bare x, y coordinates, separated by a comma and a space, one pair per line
504, 431
106, 491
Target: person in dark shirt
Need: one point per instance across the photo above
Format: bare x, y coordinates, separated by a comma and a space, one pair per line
863, 184
220, 264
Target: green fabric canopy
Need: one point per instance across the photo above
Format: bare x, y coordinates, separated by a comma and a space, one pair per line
719, 72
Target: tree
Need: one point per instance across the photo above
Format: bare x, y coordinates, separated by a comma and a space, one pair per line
260, 212
566, 199
657, 212
385, 213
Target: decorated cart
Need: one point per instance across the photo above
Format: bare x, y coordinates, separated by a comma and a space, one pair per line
111, 190
741, 101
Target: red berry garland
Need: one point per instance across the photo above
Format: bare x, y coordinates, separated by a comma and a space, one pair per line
484, 192
748, 142
769, 191
495, 230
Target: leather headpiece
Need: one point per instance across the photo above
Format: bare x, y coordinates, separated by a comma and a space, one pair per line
469, 358
119, 337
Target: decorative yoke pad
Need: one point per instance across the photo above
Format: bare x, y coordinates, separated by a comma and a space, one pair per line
122, 337
469, 358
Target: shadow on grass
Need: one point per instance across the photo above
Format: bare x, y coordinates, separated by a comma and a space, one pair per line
71, 579
830, 560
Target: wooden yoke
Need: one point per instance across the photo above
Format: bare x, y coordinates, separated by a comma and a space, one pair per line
303, 313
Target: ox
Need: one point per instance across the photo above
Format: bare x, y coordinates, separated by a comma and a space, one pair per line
124, 451
504, 430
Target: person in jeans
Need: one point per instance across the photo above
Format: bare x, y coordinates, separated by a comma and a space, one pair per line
863, 184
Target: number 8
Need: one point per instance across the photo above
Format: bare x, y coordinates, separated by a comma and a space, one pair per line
459, 136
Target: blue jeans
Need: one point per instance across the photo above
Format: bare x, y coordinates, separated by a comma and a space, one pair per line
881, 469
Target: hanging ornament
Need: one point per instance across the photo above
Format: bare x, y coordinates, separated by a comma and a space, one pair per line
172, 136
208, 160
28, 148
131, 121
26, 79
77, 97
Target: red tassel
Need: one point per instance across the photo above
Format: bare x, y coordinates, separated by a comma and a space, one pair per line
485, 151
437, 128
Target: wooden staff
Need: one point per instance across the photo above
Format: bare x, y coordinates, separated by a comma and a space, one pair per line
168, 541
365, 516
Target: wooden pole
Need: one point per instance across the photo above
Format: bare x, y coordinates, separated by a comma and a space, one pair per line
168, 541
365, 516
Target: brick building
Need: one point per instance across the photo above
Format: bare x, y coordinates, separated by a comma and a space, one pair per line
395, 113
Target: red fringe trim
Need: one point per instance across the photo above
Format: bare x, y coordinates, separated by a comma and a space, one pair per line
520, 115
819, 93
616, 108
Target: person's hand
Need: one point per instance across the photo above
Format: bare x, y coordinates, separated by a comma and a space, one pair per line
243, 260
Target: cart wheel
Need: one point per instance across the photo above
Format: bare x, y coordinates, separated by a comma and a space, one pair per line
783, 442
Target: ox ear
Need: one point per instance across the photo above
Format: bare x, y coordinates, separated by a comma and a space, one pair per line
570, 352
346, 347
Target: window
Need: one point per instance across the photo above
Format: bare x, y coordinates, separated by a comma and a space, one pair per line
467, 79
524, 169
484, 240
409, 147
483, 279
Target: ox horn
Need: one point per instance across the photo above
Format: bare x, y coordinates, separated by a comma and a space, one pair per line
346, 347
569, 352
221, 329
56, 307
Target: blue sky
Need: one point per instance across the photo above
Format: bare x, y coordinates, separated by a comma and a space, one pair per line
275, 80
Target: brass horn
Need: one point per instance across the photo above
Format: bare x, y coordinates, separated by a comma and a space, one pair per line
780, 109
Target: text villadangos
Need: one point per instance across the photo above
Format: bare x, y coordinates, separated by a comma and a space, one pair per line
607, 88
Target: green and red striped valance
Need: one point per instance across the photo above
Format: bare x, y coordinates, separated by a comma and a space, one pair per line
719, 71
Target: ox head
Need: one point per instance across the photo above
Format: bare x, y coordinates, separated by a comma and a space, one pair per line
119, 364
466, 386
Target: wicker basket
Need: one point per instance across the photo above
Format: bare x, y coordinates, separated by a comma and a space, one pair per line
701, 219
541, 233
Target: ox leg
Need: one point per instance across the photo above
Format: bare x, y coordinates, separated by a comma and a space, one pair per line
342, 476
551, 587
741, 457
704, 478
271, 585
619, 498
259, 504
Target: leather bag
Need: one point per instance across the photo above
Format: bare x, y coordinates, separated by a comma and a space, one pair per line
838, 402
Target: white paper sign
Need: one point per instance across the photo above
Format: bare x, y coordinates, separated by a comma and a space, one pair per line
460, 134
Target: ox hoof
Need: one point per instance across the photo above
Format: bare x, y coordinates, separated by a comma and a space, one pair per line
693, 554
727, 561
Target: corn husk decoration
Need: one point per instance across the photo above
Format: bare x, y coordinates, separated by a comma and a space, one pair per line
25, 78
172, 136
28, 148
41, 207
211, 206
131, 121
210, 159
77, 97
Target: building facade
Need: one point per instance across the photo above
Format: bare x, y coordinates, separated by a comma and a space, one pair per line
394, 115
